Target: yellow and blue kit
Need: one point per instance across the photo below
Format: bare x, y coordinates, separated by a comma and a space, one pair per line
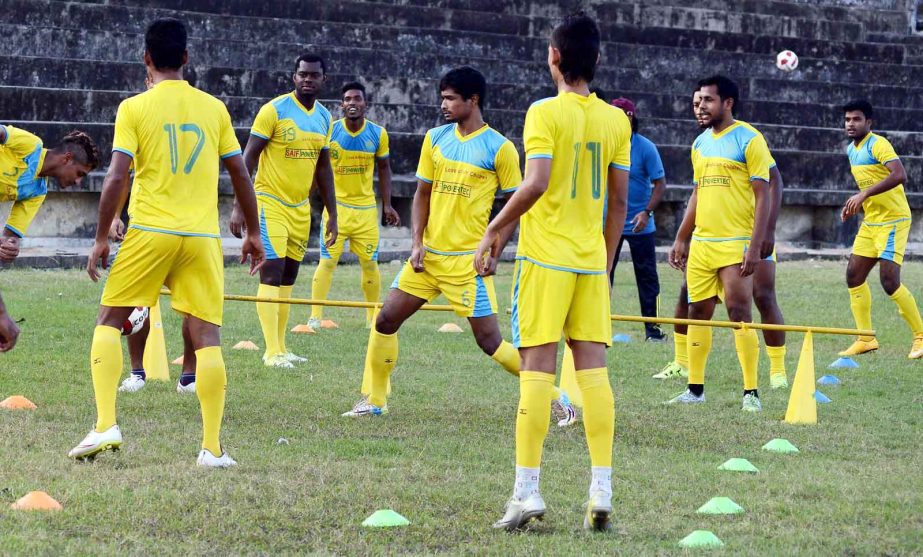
886, 225
560, 281
176, 136
296, 136
21, 158
465, 174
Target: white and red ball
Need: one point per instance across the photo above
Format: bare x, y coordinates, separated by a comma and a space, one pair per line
787, 61
135, 321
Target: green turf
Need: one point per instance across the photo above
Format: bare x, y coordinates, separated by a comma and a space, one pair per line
444, 456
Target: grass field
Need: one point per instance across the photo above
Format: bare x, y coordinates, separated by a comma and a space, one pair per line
444, 456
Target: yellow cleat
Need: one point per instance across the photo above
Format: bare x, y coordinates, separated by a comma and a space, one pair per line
916, 351
861, 347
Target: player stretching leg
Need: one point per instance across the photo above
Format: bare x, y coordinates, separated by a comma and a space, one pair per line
576, 145
462, 166
176, 135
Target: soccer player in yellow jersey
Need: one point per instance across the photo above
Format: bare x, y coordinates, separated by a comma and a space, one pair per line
882, 236
25, 166
176, 136
357, 147
732, 210
289, 144
463, 165
578, 156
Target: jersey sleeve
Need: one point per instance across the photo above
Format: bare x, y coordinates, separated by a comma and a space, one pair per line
125, 138
22, 213
506, 163
264, 125
694, 159
538, 135
883, 151
20, 142
329, 131
653, 164
228, 146
425, 166
384, 146
758, 158
621, 155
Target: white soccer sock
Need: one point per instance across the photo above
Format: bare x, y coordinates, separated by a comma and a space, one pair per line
526, 482
602, 480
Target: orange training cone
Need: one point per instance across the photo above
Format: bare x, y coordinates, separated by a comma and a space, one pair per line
802, 406
17, 402
36, 501
155, 349
178, 361
328, 324
246, 345
303, 330
450, 328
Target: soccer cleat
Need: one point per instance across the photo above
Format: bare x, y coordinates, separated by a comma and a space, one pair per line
751, 403
672, 370
314, 323
365, 408
687, 398
520, 512
655, 334
183, 389
278, 361
861, 347
132, 384
916, 351
598, 512
293, 358
778, 381
563, 411
209, 460
95, 443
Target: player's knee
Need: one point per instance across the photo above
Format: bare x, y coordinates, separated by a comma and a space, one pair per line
386, 324
890, 283
738, 310
489, 342
765, 301
369, 269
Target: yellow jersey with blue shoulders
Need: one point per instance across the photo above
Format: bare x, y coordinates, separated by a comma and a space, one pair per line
867, 163
176, 136
583, 137
465, 173
21, 158
296, 138
353, 157
724, 165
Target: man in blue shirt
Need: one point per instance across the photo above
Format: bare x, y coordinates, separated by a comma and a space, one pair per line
646, 170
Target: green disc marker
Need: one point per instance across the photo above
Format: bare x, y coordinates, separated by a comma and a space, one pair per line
780, 446
738, 465
701, 538
385, 518
720, 505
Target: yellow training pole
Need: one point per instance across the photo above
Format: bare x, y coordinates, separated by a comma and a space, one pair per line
309, 302
155, 349
741, 325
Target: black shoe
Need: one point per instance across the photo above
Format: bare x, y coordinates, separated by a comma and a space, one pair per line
654, 334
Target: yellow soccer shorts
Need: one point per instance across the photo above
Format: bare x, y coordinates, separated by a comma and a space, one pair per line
885, 241
453, 276
192, 267
547, 301
284, 228
706, 258
359, 225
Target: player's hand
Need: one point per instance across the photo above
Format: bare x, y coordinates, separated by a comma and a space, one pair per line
117, 230
485, 257
237, 224
9, 248
330, 235
853, 204
679, 254
416, 258
253, 249
391, 216
768, 245
639, 222
9, 332
751, 260
99, 255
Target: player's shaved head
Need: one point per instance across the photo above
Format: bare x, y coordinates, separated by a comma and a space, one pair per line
577, 39
165, 41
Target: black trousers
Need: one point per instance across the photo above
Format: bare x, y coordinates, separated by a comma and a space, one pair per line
644, 259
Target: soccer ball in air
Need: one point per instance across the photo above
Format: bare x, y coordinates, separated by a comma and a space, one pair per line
135, 321
787, 61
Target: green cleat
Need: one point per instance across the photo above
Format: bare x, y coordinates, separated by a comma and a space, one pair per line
778, 381
751, 403
672, 370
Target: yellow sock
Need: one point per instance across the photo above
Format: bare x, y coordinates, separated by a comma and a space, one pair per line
269, 319
508, 357
860, 302
211, 382
284, 310
380, 359
533, 416
907, 307
748, 353
320, 286
698, 342
776, 359
370, 278
681, 350
598, 414
106, 368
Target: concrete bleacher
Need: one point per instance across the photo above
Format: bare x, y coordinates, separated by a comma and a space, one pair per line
67, 65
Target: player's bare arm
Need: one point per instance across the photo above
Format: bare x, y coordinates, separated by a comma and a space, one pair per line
117, 228
9, 245
679, 253
9, 332
641, 219
245, 197
897, 177
252, 152
616, 212
115, 187
324, 178
384, 187
490, 266
775, 195
760, 224
418, 219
